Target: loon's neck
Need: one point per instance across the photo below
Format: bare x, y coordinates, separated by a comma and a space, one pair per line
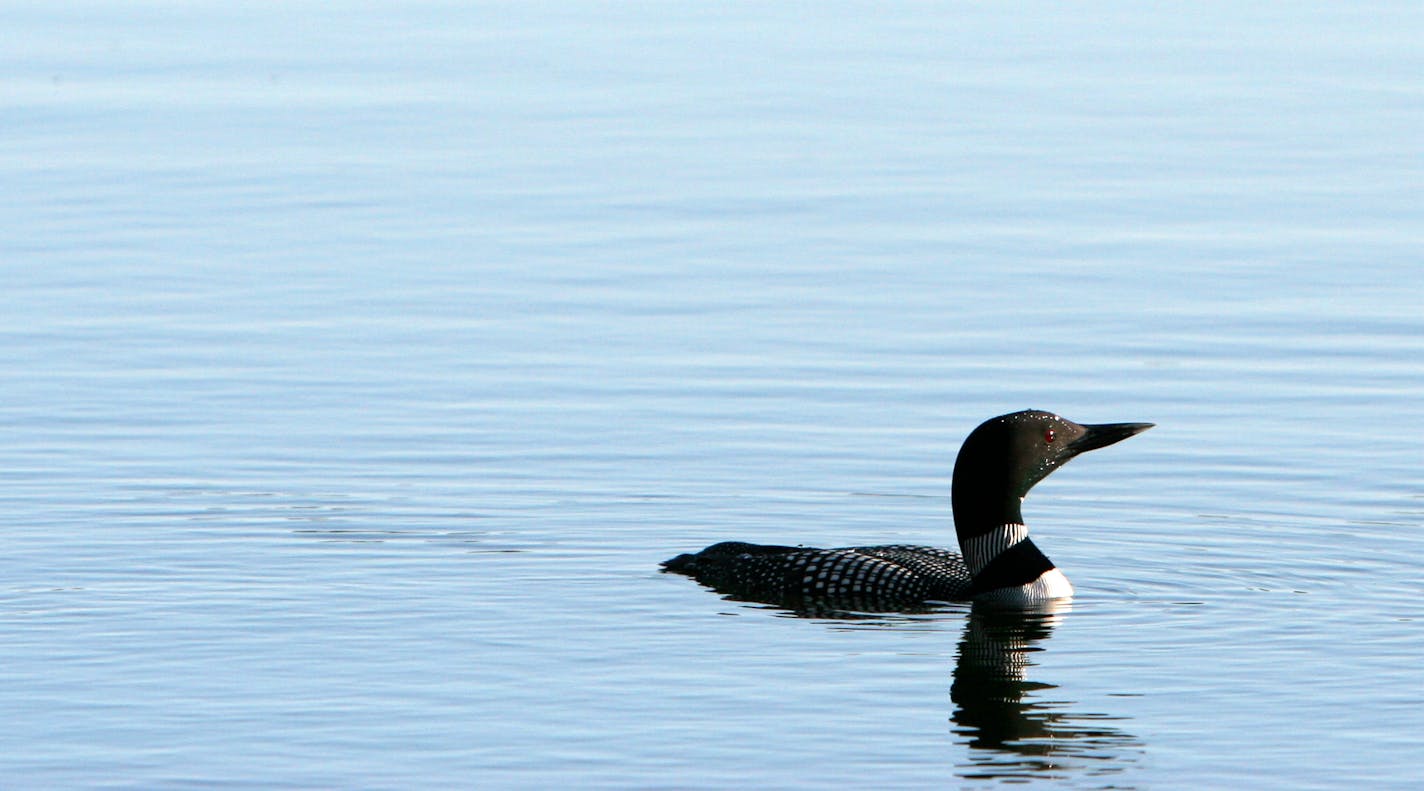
1005, 565
989, 523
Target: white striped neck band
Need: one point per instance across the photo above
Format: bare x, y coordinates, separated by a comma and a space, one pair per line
981, 549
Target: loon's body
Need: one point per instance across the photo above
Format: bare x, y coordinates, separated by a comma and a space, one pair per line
1000, 461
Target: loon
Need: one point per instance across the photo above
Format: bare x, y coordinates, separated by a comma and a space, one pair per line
999, 462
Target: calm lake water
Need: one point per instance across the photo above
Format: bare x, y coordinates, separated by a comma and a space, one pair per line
361, 362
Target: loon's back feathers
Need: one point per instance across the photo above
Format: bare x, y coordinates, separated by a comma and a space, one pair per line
1000, 461
878, 578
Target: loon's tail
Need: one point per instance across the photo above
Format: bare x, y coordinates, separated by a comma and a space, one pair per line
723, 557
686, 563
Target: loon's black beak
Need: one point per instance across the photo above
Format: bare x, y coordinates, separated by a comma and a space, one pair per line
1102, 435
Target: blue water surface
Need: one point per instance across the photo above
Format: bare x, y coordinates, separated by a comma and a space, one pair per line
361, 362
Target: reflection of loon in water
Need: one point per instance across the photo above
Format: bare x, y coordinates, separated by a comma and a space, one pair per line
1015, 733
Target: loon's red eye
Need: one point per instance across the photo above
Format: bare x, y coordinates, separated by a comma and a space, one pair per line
1049, 436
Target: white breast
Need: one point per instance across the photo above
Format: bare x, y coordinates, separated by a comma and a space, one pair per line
1050, 584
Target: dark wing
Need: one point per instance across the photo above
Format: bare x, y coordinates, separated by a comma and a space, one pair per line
943, 570
865, 579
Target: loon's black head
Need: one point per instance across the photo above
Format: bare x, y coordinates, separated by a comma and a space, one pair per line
1005, 456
